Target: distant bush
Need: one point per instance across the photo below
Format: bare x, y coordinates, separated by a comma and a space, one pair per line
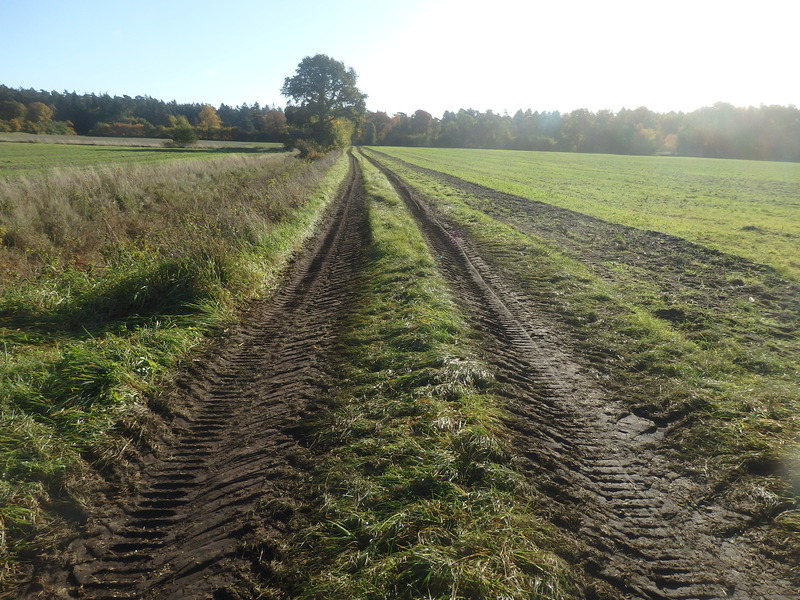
184, 136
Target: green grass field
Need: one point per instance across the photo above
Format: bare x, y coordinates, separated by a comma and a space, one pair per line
708, 346
22, 158
701, 341
747, 208
130, 142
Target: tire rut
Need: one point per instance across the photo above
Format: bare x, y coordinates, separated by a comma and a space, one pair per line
647, 530
179, 534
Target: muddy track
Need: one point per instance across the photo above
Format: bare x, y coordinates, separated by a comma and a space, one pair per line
646, 530
179, 534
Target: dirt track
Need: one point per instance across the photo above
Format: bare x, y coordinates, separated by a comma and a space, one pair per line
179, 534
641, 528
645, 529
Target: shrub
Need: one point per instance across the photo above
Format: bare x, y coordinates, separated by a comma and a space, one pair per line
184, 136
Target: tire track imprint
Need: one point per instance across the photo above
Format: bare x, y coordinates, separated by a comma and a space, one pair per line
179, 535
647, 530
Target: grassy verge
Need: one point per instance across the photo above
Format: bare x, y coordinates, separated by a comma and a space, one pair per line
733, 407
87, 216
418, 499
83, 346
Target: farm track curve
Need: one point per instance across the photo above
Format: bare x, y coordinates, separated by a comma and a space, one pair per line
179, 534
646, 530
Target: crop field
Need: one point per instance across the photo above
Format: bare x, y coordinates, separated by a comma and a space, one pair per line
747, 208
402, 373
22, 158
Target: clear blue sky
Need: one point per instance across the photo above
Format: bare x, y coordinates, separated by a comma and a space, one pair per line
431, 54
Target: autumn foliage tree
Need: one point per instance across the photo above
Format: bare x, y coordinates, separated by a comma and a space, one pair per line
39, 112
209, 119
325, 103
12, 115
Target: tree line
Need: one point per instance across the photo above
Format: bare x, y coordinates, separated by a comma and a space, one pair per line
718, 131
33, 111
326, 109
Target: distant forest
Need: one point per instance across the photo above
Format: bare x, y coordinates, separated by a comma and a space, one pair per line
34, 111
720, 131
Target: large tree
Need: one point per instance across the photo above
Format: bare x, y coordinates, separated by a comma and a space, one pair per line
325, 103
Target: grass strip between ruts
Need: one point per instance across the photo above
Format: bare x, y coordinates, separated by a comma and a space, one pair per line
418, 496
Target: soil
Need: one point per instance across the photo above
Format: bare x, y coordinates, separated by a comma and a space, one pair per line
182, 531
181, 527
643, 527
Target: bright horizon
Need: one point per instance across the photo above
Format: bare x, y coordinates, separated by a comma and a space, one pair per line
433, 55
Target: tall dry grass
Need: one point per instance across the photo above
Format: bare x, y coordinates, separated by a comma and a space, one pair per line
84, 216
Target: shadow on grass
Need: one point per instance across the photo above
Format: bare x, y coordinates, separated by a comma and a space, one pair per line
167, 290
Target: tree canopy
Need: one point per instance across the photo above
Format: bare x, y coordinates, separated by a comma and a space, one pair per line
325, 103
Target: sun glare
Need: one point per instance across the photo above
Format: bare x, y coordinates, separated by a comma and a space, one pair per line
579, 54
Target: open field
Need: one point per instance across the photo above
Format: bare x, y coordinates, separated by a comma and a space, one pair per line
747, 208
87, 140
454, 392
19, 158
690, 313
